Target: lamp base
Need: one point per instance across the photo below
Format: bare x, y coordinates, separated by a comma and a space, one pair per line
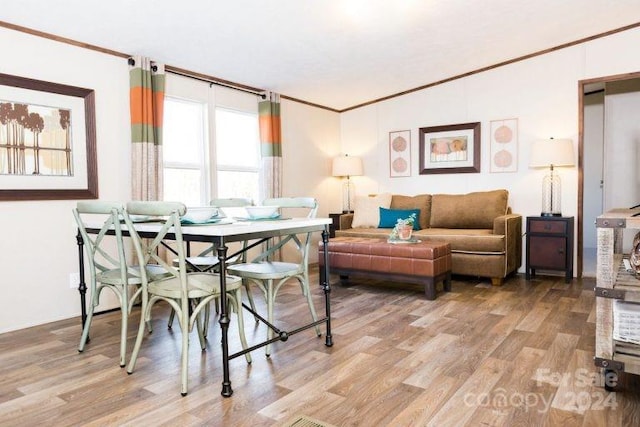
348, 194
551, 195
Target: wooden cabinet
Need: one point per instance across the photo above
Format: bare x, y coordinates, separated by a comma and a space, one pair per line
549, 245
615, 287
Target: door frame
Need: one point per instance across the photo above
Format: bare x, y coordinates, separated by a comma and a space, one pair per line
581, 85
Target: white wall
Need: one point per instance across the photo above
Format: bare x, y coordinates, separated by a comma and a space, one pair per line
310, 140
38, 238
541, 92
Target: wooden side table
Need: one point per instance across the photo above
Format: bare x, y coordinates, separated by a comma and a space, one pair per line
549, 245
335, 225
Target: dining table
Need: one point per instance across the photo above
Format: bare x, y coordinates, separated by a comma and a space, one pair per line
220, 234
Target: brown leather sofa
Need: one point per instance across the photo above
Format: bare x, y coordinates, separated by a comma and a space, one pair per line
485, 237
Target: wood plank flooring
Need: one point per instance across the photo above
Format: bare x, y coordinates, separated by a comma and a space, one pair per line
519, 354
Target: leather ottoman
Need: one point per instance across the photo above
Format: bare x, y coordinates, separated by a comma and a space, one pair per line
422, 263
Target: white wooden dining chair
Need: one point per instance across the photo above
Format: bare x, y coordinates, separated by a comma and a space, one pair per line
107, 264
269, 276
188, 293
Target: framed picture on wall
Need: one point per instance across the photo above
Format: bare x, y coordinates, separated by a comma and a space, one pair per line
504, 145
450, 149
47, 141
400, 153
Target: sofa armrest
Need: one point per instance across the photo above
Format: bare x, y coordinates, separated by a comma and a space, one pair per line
345, 221
510, 226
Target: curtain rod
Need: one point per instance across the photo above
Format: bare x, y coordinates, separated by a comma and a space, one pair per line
206, 80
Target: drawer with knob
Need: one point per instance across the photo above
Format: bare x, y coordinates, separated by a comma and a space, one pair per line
549, 245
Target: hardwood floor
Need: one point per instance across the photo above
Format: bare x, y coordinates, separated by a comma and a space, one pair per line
519, 354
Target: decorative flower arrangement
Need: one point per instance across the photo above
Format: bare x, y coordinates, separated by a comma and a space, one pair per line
403, 228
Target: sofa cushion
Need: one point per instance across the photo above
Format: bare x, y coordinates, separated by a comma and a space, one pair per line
476, 241
389, 217
421, 201
366, 213
372, 233
472, 241
472, 210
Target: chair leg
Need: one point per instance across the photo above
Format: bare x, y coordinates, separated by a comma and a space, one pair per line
312, 308
144, 319
270, 303
184, 326
199, 328
85, 329
205, 322
246, 284
95, 300
171, 316
123, 334
136, 299
237, 301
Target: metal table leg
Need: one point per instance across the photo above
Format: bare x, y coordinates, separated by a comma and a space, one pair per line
227, 391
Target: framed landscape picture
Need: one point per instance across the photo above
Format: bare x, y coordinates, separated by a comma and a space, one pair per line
47, 141
450, 149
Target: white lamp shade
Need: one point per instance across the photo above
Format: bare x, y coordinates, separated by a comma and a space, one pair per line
347, 166
547, 152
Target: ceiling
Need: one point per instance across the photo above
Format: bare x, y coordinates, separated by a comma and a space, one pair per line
335, 53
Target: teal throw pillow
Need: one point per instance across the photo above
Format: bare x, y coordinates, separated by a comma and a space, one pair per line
389, 217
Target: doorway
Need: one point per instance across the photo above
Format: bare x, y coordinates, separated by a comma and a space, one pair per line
608, 156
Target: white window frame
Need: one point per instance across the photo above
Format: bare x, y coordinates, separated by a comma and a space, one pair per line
202, 165
212, 97
237, 168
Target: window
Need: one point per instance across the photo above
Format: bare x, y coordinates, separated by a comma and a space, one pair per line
237, 153
211, 143
184, 152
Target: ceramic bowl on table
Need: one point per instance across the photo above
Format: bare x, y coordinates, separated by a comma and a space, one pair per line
200, 213
261, 212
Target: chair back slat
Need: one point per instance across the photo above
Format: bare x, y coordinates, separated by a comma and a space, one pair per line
295, 202
99, 250
302, 245
232, 202
149, 248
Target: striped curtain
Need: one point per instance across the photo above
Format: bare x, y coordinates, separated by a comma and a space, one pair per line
270, 147
146, 82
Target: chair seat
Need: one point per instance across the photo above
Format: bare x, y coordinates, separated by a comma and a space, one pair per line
112, 277
199, 285
155, 272
266, 270
205, 262
208, 260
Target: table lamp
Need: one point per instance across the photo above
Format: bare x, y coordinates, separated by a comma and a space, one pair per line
347, 166
550, 153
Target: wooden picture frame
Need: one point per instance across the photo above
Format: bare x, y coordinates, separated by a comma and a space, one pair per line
450, 149
47, 141
400, 153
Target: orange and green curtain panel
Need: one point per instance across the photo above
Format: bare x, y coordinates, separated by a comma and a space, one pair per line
147, 84
270, 146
